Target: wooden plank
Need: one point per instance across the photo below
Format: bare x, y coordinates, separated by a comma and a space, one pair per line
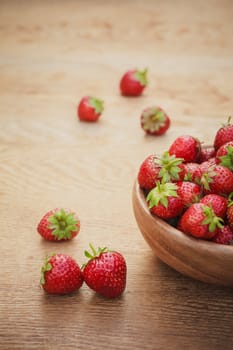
52, 54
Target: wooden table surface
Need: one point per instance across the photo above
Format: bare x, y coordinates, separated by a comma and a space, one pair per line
52, 54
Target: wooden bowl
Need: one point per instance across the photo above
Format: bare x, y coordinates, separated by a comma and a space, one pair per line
205, 261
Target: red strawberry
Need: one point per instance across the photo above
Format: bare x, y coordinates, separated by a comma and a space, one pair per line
217, 203
90, 109
202, 169
207, 153
224, 134
230, 210
61, 274
155, 168
230, 216
59, 225
190, 169
217, 179
148, 172
105, 272
204, 166
154, 121
224, 155
189, 192
200, 221
164, 201
224, 235
186, 147
133, 82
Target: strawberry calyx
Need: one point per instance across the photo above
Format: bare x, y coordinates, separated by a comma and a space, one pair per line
97, 104
62, 224
47, 266
228, 123
169, 166
160, 193
211, 219
141, 76
227, 159
188, 177
95, 253
153, 119
207, 178
230, 200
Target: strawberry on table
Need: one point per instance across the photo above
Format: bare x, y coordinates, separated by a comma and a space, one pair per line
186, 147
105, 272
90, 109
60, 274
164, 201
224, 134
133, 82
59, 225
155, 121
200, 221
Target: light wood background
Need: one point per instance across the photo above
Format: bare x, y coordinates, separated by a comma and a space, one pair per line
52, 54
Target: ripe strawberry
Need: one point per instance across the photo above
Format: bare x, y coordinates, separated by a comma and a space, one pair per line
189, 192
200, 221
105, 272
148, 173
154, 121
155, 168
230, 210
164, 201
224, 155
90, 109
217, 179
205, 166
186, 147
202, 169
59, 225
133, 82
207, 153
230, 216
217, 203
60, 274
224, 235
224, 134
190, 169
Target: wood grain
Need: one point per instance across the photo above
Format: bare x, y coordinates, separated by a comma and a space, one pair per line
53, 53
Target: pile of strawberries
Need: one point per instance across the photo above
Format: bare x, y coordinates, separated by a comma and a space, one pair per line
191, 185
105, 271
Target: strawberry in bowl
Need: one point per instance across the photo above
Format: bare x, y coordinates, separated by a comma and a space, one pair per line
196, 238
